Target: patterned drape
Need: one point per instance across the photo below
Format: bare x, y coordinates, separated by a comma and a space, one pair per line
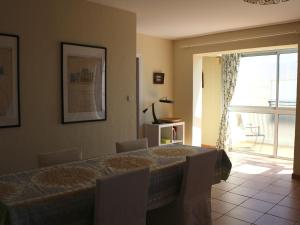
230, 64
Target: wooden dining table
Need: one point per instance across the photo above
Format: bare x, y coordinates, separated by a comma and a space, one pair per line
64, 194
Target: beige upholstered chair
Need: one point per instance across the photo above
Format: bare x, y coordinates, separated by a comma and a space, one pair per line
122, 199
53, 158
127, 146
193, 207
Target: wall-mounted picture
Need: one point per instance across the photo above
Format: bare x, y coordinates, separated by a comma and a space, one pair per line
9, 81
158, 78
83, 83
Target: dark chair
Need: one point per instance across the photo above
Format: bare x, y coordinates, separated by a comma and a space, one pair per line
122, 199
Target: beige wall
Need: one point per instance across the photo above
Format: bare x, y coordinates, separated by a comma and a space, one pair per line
211, 100
276, 35
42, 25
156, 55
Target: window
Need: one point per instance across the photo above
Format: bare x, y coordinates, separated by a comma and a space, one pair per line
262, 112
256, 83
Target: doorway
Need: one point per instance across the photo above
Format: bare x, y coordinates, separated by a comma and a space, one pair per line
138, 99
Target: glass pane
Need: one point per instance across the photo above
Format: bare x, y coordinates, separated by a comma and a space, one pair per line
288, 80
256, 82
286, 136
251, 132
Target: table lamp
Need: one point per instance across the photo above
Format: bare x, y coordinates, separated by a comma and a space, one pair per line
162, 100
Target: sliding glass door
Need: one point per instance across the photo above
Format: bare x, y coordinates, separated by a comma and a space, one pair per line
262, 112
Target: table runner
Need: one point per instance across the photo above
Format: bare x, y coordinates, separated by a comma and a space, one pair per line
64, 194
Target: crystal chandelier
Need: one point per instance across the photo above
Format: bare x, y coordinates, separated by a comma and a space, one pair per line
265, 2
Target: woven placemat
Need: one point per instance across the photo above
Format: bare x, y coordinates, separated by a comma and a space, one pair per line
172, 152
128, 162
7, 190
64, 176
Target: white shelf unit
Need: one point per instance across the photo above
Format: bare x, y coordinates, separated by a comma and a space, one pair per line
172, 133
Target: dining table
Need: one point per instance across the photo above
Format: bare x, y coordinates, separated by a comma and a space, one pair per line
64, 194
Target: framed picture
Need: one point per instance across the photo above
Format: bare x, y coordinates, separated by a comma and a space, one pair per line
158, 78
9, 81
83, 80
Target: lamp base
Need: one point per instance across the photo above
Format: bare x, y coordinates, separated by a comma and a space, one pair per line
158, 122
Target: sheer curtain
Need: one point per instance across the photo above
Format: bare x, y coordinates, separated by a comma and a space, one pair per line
230, 64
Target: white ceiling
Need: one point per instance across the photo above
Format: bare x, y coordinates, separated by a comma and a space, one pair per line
174, 19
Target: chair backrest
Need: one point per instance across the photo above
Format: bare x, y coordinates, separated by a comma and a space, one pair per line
198, 174
59, 157
122, 199
195, 193
127, 146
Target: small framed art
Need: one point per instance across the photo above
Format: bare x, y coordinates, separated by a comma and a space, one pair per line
158, 78
83, 80
9, 81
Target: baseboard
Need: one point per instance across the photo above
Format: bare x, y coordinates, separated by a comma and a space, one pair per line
296, 176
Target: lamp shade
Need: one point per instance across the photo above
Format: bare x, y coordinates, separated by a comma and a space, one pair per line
166, 100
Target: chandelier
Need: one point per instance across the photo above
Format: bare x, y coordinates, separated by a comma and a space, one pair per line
265, 2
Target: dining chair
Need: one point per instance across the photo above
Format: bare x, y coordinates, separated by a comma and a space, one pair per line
193, 206
59, 157
128, 146
122, 199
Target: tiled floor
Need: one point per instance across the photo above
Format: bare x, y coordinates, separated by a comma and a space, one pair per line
259, 191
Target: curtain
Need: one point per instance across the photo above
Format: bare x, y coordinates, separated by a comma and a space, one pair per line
230, 64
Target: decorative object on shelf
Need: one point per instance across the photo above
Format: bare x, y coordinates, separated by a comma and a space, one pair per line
166, 141
158, 78
162, 100
83, 80
265, 2
9, 81
174, 133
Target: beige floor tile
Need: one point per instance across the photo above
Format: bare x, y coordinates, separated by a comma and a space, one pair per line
285, 212
221, 207
248, 192
216, 192
242, 175
235, 180
286, 183
290, 202
272, 220
258, 205
270, 192
226, 220
268, 197
264, 179
252, 184
277, 190
215, 215
225, 186
232, 198
295, 193
245, 214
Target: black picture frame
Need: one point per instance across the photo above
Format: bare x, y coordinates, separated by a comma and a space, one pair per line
83, 84
158, 78
10, 116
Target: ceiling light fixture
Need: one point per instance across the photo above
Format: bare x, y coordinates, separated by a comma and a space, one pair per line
265, 2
